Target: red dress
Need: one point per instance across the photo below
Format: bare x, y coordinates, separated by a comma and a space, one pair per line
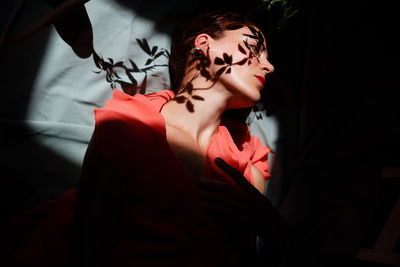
232, 142
132, 181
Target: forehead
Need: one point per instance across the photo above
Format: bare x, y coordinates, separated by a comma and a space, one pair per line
245, 33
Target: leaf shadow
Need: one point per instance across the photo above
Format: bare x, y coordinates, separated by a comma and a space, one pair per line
113, 70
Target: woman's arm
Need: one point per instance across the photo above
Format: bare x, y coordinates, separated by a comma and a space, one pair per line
259, 179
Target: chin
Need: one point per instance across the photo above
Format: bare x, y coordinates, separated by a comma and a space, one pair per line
246, 96
246, 102
252, 99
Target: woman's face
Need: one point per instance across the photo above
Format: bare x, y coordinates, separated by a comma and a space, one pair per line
240, 62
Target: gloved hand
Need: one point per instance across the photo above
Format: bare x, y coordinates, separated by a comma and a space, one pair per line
242, 206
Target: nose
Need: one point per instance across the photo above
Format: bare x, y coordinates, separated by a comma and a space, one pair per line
267, 66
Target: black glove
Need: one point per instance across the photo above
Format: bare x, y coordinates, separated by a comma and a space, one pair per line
241, 205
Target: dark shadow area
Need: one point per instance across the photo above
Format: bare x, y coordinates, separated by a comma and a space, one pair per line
31, 173
169, 14
280, 101
74, 27
16, 194
27, 56
25, 183
339, 64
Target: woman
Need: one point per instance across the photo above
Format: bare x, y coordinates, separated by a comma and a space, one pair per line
143, 205
168, 179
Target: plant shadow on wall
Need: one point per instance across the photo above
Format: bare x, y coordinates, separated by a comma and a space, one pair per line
115, 70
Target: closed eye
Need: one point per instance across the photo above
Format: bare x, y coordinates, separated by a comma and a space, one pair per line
255, 50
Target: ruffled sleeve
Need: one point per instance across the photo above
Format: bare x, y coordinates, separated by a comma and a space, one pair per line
260, 156
237, 147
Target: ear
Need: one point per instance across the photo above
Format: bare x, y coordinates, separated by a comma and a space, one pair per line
202, 41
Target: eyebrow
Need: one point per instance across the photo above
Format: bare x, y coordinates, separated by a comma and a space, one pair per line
264, 48
256, 39
251, 36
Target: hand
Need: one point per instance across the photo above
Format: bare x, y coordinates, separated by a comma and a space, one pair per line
242, 205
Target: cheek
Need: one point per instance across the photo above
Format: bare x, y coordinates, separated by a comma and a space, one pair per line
244, 73
237, 76
242, 82
241, 75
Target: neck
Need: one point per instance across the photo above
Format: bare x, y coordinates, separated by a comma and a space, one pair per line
204, 120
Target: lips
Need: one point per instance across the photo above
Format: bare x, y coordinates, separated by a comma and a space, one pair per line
261, 79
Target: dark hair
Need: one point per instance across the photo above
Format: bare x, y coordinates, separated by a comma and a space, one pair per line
213, 24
